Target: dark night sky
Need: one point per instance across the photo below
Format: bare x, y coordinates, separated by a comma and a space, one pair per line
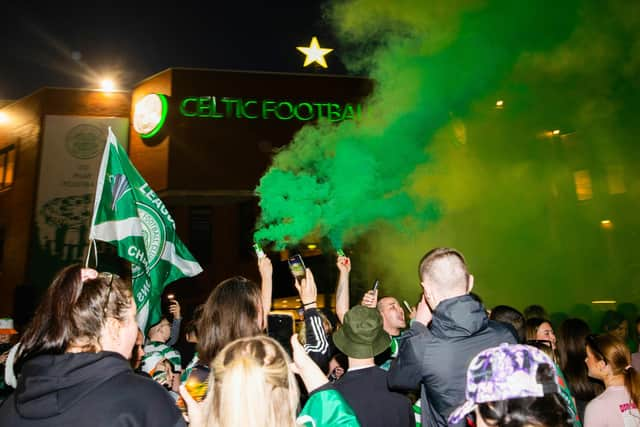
71, 45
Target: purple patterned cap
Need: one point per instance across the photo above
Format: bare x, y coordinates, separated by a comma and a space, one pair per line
505, 372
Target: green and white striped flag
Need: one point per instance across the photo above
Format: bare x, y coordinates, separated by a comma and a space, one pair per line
128, 214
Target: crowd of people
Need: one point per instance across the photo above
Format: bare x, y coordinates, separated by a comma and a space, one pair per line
448, 360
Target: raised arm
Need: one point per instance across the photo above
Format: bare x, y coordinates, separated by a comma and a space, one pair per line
174, 309
316, 342
311, 374
266, 273
342, 290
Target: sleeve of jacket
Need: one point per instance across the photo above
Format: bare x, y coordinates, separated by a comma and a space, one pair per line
406, 368
317, 344
175, 332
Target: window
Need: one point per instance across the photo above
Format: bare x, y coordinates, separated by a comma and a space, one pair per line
7, 166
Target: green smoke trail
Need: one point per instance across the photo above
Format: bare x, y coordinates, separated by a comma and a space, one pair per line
509, 194
428, 62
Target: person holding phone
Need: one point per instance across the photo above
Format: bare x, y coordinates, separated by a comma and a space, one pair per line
236, 308
316, 342
160, 341
259, 374
161, 338
393, 322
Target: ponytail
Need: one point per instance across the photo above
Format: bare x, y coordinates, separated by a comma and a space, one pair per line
47, 334
632, 384
73, 313
617, 355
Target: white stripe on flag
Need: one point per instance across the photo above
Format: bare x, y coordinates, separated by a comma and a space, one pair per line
118, 230
188, 268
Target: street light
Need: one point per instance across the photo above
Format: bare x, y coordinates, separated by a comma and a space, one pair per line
107, 85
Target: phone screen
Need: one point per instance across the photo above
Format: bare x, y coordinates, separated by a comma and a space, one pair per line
280, 328
296, 265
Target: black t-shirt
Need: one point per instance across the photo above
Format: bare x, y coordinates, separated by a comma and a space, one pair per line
375, 405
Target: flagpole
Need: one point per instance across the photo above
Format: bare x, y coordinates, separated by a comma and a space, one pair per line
97, 196
92, 243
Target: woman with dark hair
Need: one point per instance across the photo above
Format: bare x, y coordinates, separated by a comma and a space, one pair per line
236, 308
72, 360
614, 323
609, 360
572, 336
537, 328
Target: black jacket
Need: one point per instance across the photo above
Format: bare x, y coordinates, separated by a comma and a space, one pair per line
437, 357
87, 389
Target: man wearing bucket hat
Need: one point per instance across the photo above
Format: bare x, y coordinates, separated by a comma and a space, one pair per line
449, 329
515, 385
364, 385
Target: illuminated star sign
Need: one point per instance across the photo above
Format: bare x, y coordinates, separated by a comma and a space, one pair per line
314, 53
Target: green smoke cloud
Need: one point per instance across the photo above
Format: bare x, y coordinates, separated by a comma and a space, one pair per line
338, 182
435, 163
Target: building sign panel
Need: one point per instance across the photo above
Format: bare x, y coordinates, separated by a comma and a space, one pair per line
70, 157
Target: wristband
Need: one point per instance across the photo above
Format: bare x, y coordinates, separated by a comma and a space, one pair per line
309, 303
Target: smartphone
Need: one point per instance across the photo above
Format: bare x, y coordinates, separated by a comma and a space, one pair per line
296, 265
375, 285
280, 328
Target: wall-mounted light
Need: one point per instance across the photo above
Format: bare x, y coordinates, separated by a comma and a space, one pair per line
149, 114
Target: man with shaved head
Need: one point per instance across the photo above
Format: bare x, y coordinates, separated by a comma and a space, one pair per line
450, 328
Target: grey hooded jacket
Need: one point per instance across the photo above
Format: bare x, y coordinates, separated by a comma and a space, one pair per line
437, 357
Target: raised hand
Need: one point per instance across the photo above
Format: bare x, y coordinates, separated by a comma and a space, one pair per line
344, 264
370, 299
174, 309
307, 289
423, 312
265, 267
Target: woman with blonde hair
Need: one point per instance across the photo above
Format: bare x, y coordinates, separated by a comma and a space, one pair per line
252, 384
72, 360
609, 360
